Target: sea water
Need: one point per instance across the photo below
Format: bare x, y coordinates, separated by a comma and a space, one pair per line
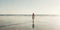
25, 23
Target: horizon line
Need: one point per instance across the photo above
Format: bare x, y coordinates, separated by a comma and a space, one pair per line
28, 15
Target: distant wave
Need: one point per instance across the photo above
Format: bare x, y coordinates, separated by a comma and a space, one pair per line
27, 15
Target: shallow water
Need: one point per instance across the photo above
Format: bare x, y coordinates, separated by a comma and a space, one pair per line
25, 23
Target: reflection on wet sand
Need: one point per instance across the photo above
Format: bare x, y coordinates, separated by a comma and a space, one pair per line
25, 23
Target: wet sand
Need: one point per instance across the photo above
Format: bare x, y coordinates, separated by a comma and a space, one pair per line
25, 23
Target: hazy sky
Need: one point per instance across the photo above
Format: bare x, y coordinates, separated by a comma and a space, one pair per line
30, 6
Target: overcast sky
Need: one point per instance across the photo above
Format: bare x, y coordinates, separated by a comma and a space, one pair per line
30, 6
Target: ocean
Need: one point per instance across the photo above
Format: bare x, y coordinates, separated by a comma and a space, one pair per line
25, 23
